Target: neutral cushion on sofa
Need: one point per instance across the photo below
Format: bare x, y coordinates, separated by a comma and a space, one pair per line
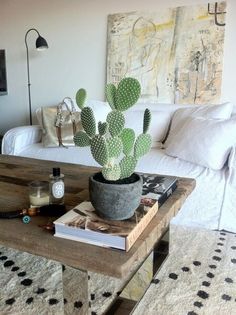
203, 141
158, 128
222, 111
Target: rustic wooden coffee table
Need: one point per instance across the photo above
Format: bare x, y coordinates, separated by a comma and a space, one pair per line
17, 172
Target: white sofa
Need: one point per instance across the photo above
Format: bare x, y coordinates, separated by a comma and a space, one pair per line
211, 205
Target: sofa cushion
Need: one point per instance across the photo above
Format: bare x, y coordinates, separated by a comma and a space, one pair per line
222, 111
206, 142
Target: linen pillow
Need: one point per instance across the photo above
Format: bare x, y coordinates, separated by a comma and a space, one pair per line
222, 111
204, 141
158, 128
100, 109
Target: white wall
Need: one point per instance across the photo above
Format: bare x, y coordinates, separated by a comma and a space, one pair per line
76, 34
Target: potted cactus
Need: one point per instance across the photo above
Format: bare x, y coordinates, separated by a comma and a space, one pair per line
116, 191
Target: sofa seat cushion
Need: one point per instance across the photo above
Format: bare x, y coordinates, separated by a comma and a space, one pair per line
74, 155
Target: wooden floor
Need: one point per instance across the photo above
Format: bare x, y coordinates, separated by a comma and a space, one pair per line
124, 306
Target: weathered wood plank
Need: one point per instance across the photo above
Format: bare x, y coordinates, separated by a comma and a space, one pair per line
16, 172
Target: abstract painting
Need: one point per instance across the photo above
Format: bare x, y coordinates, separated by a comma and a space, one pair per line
176, 53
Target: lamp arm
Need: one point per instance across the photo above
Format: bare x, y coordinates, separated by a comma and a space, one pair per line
42, 42
28, 72
31, 29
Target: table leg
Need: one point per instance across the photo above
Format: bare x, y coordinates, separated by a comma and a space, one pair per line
75, 291
92, 293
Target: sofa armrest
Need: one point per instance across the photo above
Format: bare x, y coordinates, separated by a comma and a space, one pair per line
18, 138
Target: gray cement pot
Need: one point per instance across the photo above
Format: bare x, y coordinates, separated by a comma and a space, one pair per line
113, 201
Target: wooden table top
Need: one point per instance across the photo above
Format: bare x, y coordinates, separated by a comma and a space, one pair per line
17, 172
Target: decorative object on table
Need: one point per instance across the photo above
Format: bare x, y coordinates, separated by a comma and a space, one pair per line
157, 188
38, 193
51, 210
57, 187
116, 150
172, 52
26, 219
84, 225
41, 44
3, 73
60, 123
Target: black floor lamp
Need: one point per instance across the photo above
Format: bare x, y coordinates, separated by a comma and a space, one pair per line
41, 44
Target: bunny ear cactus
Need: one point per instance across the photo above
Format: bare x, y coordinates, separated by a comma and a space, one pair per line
146, 120
81, 97
128, 93
111, 95
88, 121
114, 147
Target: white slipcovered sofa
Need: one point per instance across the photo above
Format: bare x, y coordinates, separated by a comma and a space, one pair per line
200, 145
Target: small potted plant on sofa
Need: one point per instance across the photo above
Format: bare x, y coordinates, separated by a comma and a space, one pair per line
116, 191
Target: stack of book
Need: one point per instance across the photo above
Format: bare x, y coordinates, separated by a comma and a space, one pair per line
84, 225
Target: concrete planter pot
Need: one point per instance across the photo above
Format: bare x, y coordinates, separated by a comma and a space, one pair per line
115, 201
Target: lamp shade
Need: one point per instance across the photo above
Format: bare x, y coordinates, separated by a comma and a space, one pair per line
41, 43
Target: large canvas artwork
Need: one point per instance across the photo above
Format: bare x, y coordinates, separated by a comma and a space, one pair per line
176, 53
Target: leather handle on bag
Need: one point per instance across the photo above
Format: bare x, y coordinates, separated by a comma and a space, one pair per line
58, 131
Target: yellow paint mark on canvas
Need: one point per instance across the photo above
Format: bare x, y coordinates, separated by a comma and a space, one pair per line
202, 17
165, 26
142, 31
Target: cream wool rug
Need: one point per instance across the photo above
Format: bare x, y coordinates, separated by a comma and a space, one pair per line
29, 284
197, 278
32, 285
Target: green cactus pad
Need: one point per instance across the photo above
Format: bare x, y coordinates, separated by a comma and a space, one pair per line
146, 120
111, 172
81, 139
142, 145
114, 147
116, 121
111, 95
127, 136
127, 166
102, 128
88, 121
127, 93
81, 97
99, 149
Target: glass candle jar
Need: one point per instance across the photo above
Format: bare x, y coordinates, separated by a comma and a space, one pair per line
38, 193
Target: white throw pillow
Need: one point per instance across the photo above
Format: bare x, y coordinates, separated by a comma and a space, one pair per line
203, 141
158, 128
222, 111
100, 109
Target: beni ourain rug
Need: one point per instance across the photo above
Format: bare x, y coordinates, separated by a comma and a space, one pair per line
32, 285
197, 278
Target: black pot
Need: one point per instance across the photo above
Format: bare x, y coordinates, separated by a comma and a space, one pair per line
115, 201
